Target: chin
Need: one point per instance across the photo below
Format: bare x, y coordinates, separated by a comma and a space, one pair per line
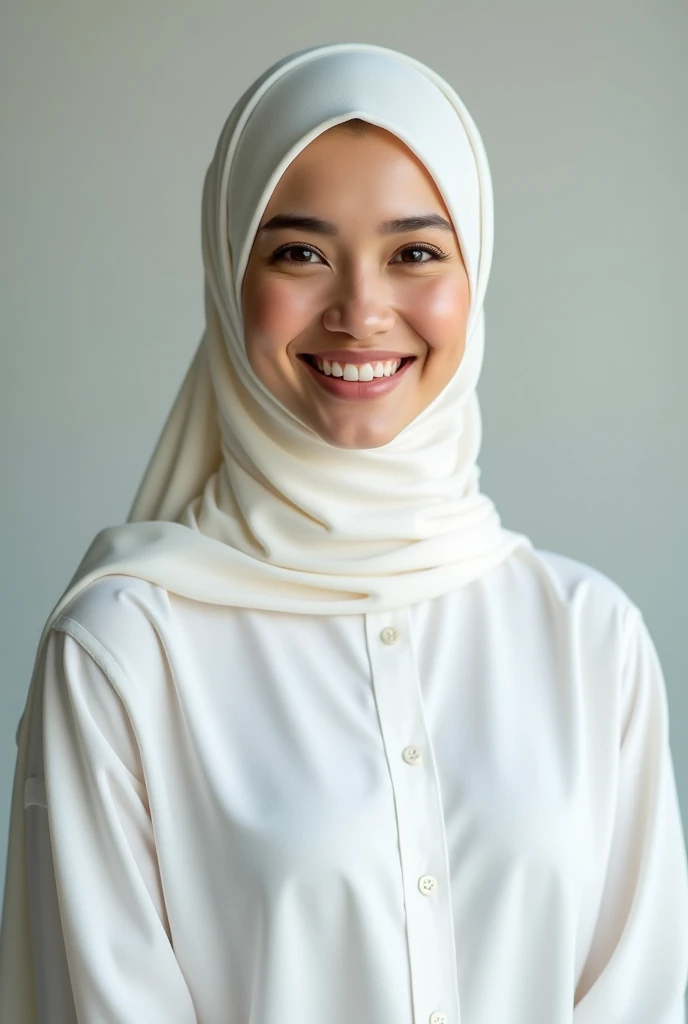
357, 436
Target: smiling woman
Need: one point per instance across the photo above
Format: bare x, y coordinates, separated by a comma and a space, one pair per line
359, 321
313, 737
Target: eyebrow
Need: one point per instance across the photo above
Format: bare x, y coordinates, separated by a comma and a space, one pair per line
325, 227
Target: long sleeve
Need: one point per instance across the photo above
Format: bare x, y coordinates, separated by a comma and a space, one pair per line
54, 999
105, 957
637, 966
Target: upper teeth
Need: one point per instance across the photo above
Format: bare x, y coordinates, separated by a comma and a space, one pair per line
356, 371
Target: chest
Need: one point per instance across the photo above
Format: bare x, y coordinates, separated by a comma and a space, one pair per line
315, 748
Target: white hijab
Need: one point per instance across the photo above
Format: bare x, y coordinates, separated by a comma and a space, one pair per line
244, 505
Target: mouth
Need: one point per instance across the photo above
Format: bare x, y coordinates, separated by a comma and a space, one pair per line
354, 372
357, 381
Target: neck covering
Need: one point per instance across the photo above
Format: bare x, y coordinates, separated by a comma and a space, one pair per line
242, 504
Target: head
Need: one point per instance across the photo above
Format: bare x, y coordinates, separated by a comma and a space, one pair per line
338, 282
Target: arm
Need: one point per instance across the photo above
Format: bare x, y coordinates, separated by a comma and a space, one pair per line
637, 965
105, 956
55, 1004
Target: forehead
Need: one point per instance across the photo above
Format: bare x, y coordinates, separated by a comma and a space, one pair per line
350, 171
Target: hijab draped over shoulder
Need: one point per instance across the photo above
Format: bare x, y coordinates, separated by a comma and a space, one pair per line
242, 504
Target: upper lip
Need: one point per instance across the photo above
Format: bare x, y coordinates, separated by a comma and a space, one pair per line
358, 356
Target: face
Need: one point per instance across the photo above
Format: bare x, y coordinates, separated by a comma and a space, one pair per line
355, 317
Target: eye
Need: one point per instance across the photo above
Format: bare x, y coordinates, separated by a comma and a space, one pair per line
417, 251
280, 255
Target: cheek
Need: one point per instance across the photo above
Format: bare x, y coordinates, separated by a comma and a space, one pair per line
439, 312
275, 312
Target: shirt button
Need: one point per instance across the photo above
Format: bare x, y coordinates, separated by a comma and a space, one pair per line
438, 1017
389, 635
427, 884
412, 755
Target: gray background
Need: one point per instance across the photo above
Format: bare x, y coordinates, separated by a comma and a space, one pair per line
109, 114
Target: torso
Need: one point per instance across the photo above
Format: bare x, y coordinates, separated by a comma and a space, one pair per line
294, 823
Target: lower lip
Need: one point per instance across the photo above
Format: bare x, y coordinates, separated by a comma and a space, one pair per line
358, 390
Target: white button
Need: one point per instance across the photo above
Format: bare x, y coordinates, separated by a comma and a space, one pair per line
438, 1017
427, 884
412, 755
389, 635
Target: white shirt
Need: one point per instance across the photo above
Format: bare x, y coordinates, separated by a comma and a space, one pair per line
463, 811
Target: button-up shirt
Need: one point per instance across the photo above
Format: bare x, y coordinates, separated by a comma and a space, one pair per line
463, 811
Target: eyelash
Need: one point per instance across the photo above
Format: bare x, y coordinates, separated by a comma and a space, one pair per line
278, 255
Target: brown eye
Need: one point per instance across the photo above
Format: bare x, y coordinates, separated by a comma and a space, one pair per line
303, 250
417, 251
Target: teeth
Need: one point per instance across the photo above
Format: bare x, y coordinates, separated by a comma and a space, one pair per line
354, 371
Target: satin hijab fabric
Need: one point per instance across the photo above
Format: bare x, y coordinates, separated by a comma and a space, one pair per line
242, 504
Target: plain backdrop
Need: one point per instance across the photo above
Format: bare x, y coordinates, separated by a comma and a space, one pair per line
109, 115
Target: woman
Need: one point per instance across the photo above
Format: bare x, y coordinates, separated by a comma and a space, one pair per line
313, 737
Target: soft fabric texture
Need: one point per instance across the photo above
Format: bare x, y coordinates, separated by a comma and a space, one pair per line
273, 791
268, 516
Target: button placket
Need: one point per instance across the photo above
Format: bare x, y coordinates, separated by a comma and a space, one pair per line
420, 821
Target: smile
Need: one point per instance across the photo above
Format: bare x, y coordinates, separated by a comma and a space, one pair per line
357, 381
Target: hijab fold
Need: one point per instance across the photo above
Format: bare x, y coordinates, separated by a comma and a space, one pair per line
244, 505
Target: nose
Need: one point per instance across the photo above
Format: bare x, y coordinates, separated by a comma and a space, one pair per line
359, 309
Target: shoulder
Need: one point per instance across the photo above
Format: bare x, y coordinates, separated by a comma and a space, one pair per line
591, 603
574, 580
568, 580
118, 620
